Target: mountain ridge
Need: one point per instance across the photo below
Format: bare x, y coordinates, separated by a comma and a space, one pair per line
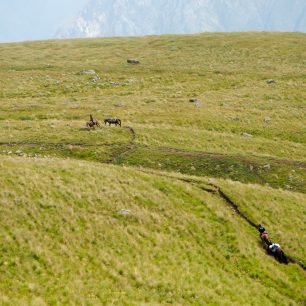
148, 17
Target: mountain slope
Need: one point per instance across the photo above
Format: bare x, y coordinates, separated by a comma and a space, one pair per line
178, 245
63, 239
134, 17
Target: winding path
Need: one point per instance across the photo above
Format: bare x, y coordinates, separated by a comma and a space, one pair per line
234, 206
213, 188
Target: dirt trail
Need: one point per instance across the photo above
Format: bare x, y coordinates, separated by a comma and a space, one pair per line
253, 159
126, 148
183, 152
214, 189
132, 133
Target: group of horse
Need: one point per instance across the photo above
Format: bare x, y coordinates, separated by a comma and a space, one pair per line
273, 249
92, 123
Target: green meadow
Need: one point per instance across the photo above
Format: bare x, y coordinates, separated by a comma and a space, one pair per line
128, 215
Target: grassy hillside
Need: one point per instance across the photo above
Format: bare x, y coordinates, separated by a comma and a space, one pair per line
46, 98
63, 185
179, 245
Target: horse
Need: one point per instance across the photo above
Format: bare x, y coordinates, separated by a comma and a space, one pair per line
112, 121
278, 254
92, 122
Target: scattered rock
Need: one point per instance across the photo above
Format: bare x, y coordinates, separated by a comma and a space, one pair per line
95, 79
120, 83
19, 152
40, 94
271, 82
246, 134
290, 177
251, 167
87, 71
133, 61
267, 119
266, 167
195, 101
115, 83
288, 187
119, 105
124, 212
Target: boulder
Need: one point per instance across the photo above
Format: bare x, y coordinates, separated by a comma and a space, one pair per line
266, 167
95, 79
87, 71
246, 134
124, 212
269, 82
267, 119
133, 61
196, 102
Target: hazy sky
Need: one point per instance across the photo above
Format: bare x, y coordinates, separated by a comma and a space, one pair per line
35, 19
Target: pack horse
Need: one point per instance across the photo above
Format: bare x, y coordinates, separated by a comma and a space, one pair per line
112, 121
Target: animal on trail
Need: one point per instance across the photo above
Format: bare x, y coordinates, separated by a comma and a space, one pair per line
264, 236
275, 250
112, 121
92, 122
271, 248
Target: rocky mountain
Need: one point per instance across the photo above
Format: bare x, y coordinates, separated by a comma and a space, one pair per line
143, 17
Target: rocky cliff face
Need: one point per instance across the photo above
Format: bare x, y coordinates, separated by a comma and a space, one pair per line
142, 17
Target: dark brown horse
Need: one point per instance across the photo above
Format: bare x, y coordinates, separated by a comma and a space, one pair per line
278, 254
112, 121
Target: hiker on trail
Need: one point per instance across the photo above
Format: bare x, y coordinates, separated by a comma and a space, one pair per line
271, 247
264, 235
92, 119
